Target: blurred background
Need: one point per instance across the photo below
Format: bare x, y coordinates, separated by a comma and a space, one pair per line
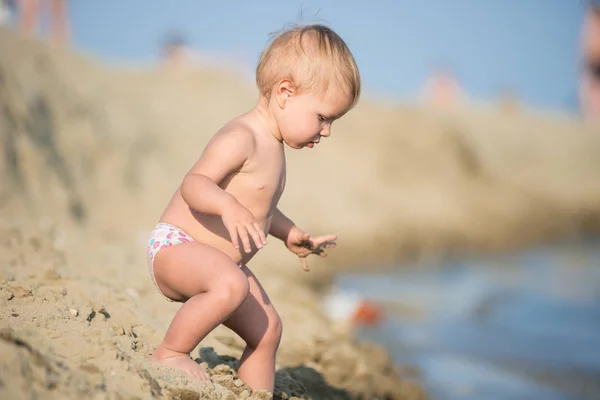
464, 187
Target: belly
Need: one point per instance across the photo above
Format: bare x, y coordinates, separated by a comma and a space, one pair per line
209, 229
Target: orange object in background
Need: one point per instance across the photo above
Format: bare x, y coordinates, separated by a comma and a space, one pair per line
352, 309
367, 313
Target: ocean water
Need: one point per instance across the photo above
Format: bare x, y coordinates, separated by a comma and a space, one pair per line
513, 326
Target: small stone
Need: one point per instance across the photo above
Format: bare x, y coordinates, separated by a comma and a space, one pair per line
238, 383
88, 312
223, 378
74, 312
104, 313
100, 309
244, 395
263, 395
222, 369
118, 330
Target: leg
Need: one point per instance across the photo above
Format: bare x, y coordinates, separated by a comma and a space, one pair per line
210, 285
257, 322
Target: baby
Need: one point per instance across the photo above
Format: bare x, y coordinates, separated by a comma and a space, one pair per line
226, 206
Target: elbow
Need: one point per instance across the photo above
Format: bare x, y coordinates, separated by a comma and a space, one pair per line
189, 186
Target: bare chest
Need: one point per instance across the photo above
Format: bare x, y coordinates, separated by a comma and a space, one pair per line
263, 180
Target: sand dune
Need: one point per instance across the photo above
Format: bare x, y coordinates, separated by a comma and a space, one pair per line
91, 153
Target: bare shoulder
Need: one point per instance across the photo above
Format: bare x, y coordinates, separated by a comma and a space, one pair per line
236, 135
228, 150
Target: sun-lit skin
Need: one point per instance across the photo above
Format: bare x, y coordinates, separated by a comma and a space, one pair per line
227, 203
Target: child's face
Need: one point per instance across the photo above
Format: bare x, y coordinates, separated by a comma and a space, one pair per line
307, 117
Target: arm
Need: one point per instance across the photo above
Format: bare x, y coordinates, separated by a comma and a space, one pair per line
281, 226
224, 154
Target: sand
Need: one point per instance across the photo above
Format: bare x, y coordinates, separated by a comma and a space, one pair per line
91, 153
82, 324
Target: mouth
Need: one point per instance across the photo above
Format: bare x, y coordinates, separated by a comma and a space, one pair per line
312, 144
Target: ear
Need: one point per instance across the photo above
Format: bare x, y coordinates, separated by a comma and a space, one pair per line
283, 91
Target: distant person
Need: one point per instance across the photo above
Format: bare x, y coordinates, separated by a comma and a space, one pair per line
31, 12
226, 205
508, 100
442, 90
589, 88
177, 54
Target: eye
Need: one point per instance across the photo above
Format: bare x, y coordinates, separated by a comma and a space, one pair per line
322, 118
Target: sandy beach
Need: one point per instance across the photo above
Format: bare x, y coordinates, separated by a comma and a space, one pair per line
91, 153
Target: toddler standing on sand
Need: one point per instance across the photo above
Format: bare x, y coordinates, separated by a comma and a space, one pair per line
226, 205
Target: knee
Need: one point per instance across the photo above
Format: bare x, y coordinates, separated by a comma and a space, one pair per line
233, 289
272, 336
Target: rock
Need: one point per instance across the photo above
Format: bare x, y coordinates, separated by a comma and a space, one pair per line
118, 330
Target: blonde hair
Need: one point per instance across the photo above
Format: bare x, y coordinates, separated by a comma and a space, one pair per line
310, 56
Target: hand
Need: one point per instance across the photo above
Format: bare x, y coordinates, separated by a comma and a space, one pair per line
240, 223
302, 244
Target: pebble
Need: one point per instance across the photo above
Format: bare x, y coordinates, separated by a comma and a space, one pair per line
238, 383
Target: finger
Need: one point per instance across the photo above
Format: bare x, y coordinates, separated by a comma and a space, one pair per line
261, 233
304, 263
326, 245
234, 237
205, 376
245, 240
320, 252
326, 238
321, 240
255, 235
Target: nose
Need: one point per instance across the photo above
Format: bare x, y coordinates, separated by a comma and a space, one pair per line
326, 131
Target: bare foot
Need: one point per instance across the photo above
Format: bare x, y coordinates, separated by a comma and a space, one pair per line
180, 361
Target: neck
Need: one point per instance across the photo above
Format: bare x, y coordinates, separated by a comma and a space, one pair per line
265, 115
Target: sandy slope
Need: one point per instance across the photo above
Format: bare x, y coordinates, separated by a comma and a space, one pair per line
90, 155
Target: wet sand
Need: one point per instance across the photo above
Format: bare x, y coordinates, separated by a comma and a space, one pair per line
91, 154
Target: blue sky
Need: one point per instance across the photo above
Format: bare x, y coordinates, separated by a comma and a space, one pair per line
529, 45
